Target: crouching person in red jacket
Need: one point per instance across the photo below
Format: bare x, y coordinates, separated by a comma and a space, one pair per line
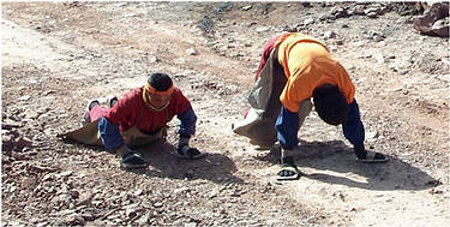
140, 118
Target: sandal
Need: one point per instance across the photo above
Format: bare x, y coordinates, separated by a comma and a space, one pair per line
190, 153
288, 173
373, 157
133, 160
112, 101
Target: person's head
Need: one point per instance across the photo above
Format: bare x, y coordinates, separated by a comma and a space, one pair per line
330, 104
158, 89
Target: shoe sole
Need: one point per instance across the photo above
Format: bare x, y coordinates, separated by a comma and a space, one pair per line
373, 160
126, 166
293, 177
201, 155
109, 99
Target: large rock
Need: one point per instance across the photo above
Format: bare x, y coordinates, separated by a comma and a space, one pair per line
339, 12
435, 22
359, 10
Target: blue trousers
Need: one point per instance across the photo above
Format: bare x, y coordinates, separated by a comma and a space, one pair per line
287, 127
112, 139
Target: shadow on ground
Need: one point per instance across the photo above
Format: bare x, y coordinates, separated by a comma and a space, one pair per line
164, 163
335, 157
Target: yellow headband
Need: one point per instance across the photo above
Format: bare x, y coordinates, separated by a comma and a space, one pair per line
151, 90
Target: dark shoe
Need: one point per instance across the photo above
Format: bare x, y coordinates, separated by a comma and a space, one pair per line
288, 173
373, 157
91, 104
133, 160
189, 153
366, 156
112, 101
86, 118
288, 170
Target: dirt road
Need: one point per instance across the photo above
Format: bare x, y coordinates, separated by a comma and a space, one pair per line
55, 57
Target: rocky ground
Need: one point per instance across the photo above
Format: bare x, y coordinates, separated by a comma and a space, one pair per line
57, 56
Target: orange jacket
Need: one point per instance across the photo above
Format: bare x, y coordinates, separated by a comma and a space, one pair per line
308, 64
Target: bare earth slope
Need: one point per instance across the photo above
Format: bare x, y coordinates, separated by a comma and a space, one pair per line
55, 57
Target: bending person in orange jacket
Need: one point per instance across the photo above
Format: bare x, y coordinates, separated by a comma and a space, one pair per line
310, 72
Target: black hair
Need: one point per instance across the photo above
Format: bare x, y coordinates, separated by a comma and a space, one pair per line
160, 81
330, 104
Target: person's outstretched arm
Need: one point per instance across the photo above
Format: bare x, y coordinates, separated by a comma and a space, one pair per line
353, 129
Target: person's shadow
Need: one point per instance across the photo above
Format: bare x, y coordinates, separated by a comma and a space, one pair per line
165, 163
335, 156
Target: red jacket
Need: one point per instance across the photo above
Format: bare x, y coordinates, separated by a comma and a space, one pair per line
266, 54
126, 112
